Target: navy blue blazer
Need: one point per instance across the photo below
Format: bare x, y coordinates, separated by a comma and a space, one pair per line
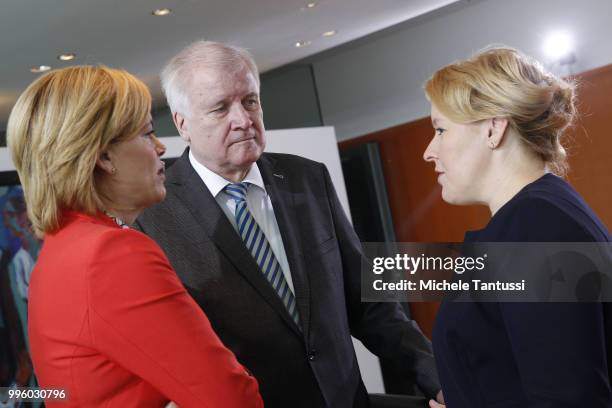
527, 354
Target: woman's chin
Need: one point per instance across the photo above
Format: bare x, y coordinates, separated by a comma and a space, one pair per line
452, 198
156, 198
447, 197
161, 195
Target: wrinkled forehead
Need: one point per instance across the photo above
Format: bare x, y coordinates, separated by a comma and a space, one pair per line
221, 82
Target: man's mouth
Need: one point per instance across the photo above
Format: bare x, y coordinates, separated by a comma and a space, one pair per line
244, 139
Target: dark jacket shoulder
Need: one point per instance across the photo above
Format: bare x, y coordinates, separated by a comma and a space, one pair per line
291, 162
547, 210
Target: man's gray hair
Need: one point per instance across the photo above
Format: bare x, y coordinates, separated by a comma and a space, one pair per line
177, 74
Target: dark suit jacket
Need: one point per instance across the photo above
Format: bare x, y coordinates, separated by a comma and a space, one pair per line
518, 355
315, 367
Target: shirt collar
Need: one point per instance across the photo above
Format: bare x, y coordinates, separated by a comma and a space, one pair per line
217, 183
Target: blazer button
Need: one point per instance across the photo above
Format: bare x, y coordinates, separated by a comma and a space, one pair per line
312, 355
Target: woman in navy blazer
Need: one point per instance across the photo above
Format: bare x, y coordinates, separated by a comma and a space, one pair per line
499, 119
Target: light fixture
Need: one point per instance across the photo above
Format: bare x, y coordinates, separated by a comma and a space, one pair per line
66, 57
309, 6
301, 44
40, 68
162, 12
329, 33
559, 46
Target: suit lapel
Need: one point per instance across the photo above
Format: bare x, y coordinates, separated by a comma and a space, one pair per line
200, 202
281, 189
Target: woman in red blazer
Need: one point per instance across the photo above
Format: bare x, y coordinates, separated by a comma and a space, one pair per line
109, 321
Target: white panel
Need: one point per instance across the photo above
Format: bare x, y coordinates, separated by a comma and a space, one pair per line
315, 143
6, 164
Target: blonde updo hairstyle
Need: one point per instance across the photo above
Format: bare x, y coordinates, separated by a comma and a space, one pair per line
503, 82
57, 130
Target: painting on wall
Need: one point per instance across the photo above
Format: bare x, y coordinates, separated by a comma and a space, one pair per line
19, 249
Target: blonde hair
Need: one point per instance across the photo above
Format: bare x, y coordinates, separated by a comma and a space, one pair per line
503, 82
176, 75
57, 129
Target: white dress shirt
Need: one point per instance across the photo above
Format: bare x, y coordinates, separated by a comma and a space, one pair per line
258, 203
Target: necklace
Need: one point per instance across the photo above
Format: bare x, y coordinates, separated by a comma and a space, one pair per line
117, 220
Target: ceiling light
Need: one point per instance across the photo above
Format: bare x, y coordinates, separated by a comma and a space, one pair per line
329, 33
558, 45
40, 68
162, 12
301, 44
308, 6
66, 57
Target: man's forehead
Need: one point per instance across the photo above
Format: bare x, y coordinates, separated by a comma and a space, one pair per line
215, 75
220, 83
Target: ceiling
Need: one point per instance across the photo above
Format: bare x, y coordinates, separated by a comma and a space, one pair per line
125, 34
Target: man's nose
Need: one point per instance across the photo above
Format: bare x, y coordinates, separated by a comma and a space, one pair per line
239, 117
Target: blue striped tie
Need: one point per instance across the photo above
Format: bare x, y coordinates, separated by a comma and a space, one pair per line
258, 245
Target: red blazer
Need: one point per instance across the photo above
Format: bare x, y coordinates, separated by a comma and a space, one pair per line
110, 322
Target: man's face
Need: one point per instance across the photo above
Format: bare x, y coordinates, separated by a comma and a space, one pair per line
224, 122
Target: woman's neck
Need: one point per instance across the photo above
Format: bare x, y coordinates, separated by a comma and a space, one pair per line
511, 172
513, 166
510, 186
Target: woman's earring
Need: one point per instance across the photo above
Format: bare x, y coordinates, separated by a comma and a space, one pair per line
491, 142
113, 170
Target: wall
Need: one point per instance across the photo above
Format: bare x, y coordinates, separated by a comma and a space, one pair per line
373, 87
376, 82
419, 214
289, 98
590, 142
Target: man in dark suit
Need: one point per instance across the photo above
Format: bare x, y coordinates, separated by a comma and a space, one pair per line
262, 244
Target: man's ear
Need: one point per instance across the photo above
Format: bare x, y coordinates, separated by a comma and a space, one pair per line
497, 131
181, 125
104, 163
